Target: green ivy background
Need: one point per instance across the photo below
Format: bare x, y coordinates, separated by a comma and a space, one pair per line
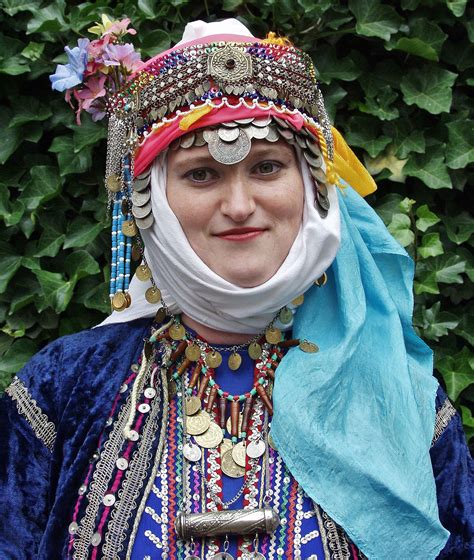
397, 79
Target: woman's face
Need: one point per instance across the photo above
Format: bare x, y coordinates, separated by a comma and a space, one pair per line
240, 219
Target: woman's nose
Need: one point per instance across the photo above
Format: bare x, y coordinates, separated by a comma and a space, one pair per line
238, 201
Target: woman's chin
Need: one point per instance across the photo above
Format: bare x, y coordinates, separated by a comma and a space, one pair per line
246, 277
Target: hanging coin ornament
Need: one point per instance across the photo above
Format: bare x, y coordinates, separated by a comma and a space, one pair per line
228, 424
322, 280
230, 467
211, 438
308, 347
192, 452
124, 207
153, 295
255, 556
225, 445
119, 301
128, 298
145, 223
222, 556
141, 198
273, 335
234, 361
141, 211
143, 273
285, 316
239, 454
229, 152
192, 405
255, 350
213, 359
228, 134
193, 352
177, 331
192, 557
160, 315
256, 449
136, 253
129, 229
298, 300
114, 183
198, 424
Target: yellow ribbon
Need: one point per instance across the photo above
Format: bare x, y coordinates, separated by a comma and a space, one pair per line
194, 116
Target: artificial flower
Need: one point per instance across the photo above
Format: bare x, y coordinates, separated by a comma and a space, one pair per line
71, 74
122, 55
111, 27
94, 89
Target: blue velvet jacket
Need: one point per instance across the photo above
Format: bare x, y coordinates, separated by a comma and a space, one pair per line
53, 417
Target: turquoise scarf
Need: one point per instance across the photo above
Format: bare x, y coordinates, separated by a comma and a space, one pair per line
354, 422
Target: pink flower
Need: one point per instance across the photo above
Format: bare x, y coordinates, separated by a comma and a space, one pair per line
119, 28
94, 89
122, 55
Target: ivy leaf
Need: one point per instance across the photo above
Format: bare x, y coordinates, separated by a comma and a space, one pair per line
81, 233
436, 323
460, 148
425, 40
10, 264
331, 67
431, 246
465, 327
80, 264
374, 19
363, 132
11, 137
49, 19
155, 42
380, 106
147, 7
429, 87
33, 51
87, 134
18, 354
27, 109
93, 295
388, 206
387, 161
430, 168
11, 61
56, 291
459, 228
457, 6
425, 282
13, 7
468, 422
446, 268
400, 228
49, 243
426, 218
42, 185
405, 140
456, 371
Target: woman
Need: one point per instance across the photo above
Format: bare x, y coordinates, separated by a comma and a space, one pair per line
279, 404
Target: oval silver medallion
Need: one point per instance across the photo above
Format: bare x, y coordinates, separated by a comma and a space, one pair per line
256, 449
192, 452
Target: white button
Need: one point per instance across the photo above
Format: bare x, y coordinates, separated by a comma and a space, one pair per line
133, 435
123, 388
144, 408
108, 500
82, 490
73, 528
95, 540
150, 393
122, 463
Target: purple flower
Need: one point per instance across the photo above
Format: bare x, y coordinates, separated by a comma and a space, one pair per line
71, 74
122, 55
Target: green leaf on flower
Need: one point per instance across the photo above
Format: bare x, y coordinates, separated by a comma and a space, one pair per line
400, 228
82, 232
374, 19
426, 218
460, 148
430, 168
429, 87
436, 323
456, 371
431, 246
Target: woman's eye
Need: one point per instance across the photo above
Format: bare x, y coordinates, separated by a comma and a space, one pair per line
200, 175
268, 167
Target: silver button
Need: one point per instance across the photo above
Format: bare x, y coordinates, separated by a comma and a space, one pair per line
95, 539
73, 528
133, 435
82, 490
144, 408
134, 368
108, 500
123, 388
109, 421
150, 393
94, 457
122, 463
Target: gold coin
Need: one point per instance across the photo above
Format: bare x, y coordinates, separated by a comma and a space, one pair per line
213, 359
271, 443
238, 454
255, 350
136, 253
119, 301
273, 335
153, 295
298, 301
125, 207
114, 182
177, 331
143, 273
226, 444
309, 347
230, 467
193, 352
129, 229
192, 405
285, 316
228, 424
211, 438
160, 315
198, 423
322, 280
234, 361
128, 299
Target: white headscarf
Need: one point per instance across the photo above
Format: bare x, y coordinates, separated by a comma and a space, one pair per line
188, 285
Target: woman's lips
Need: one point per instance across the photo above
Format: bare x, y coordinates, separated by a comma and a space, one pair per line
241, 234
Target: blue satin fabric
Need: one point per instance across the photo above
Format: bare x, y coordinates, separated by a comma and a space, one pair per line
354, 422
